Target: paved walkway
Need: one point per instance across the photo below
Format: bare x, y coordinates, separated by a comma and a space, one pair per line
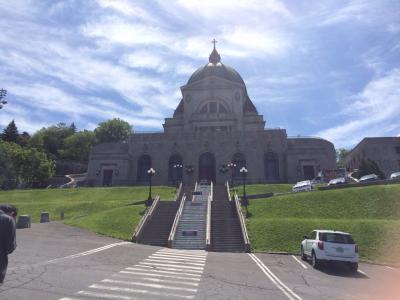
55, 261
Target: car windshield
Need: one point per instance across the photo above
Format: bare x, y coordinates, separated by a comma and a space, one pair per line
336, 238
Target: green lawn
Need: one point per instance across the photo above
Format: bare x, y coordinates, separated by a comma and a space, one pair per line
371, 214
113, 211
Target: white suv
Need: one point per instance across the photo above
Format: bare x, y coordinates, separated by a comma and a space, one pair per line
329, 245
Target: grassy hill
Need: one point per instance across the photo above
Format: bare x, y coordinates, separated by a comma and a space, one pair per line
371, 214
112, 211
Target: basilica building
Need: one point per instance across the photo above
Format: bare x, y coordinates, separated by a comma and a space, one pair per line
214, 124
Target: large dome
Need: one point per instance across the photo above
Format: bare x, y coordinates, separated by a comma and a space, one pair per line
219, 70
216, 68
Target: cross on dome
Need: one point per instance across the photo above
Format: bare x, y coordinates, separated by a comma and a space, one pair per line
214, 56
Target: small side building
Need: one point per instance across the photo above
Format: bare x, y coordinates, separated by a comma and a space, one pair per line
385, 151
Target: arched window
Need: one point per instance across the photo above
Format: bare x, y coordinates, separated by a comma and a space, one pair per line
271, 166
240, 162
174, 174
144, 163
213, 107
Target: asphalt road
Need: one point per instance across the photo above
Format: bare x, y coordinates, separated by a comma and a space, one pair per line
55, 261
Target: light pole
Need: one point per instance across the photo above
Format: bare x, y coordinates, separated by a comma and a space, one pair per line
177, 167
150, 173
245, 202
3, 94
231, 166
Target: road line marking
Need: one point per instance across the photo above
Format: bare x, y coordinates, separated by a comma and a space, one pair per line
178, 263
150, 285
296, 259
188, 268
130, 290
183, 253
142, 268
180, 257
77, 255
275, 280
362, 272
158, 280
104, 296
391, 268
161, 273
70, 299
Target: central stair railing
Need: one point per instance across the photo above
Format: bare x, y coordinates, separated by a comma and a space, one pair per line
208, 226
178, 215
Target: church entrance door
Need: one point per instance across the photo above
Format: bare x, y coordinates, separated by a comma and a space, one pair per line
207, 167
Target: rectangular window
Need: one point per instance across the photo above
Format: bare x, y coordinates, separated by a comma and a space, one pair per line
398, 150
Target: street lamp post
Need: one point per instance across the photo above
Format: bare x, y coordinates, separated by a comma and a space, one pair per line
245, 202
232, 166
177, 167
3, 94
150, 173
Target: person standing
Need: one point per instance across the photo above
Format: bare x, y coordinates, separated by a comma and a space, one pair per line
8, 213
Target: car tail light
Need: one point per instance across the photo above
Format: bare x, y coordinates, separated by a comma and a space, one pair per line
321, 245
356, 248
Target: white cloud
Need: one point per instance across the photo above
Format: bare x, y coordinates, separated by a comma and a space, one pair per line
373, 112
125, 7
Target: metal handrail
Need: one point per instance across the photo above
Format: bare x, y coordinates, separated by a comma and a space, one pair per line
246, 239
178, 192
228, 191
208, 228
171, 237
143, 221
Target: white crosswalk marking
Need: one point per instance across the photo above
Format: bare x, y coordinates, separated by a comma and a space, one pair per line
168, 273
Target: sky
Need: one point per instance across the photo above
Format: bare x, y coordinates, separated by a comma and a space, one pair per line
316, 68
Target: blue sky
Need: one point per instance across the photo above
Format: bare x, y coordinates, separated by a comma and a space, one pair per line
317, 68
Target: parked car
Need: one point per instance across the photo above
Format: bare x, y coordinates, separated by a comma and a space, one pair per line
369, 177
330, 246
336, 181
305, 185
395, 175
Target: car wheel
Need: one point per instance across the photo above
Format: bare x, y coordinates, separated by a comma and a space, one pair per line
353, 267
303, 256
314, 261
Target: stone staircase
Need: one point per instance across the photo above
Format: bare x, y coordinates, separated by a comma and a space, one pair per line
156, 231
191, 230
226, 233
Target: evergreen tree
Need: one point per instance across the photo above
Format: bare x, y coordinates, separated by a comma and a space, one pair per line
10, 133
72, 127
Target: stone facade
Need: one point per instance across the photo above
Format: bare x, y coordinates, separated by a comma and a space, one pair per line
385, 151
215, 123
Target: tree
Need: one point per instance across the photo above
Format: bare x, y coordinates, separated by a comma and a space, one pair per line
77, 146
8, 170
23, 139
18, 165
10, 133
340, 156
51, 139
114, 130
36, 169
368, 166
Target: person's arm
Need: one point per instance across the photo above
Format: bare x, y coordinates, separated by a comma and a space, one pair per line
11, 242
